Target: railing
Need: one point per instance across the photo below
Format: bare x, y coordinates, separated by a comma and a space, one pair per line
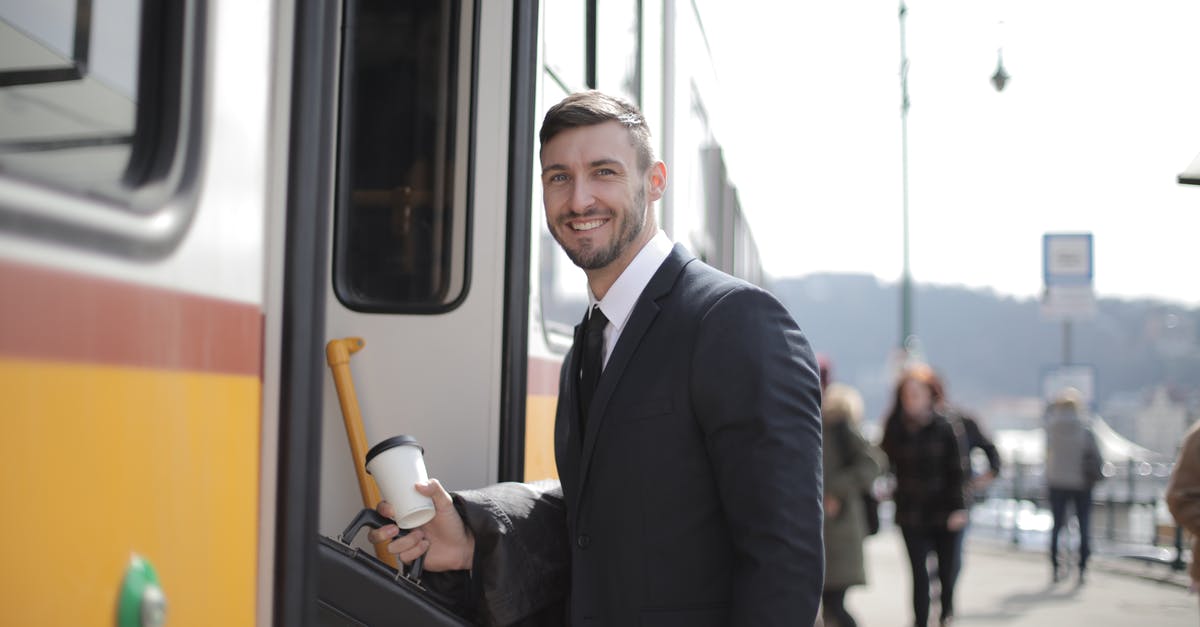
1129, 513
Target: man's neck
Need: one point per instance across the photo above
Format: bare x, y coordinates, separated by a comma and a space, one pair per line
601, 280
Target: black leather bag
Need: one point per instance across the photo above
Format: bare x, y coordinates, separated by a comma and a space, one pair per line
1093, 462
355, 588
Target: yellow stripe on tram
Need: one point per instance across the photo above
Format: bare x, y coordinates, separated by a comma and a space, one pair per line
101, 462
539, 437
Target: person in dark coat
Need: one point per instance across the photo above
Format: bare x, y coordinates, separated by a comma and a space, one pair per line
922, 450
851, 466
687, 433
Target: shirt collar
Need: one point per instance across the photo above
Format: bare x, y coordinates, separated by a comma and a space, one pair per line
618, 303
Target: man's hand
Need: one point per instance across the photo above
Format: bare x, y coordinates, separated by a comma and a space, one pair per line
981, 483
444, 541
956, 520
832, 507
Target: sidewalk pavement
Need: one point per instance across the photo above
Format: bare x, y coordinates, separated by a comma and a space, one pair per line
1001, 585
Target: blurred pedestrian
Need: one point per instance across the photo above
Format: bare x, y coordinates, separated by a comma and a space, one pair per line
850, 466
971, 436
824, 370
922, 451
1183, 496
1073, 466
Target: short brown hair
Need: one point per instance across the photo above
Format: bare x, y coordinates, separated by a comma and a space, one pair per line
587, 108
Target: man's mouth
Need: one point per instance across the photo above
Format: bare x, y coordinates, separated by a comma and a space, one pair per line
588, 225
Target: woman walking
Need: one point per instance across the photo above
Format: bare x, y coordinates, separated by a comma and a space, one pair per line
922, 450
850, 468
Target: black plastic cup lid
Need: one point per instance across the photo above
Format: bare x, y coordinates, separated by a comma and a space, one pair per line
390, 443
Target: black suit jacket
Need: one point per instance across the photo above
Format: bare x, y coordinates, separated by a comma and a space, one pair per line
694, 496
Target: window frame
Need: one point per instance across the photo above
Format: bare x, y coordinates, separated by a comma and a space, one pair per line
80, 45
464, 57
153, 202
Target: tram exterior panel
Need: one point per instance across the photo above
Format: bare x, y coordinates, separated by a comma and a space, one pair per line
157, 279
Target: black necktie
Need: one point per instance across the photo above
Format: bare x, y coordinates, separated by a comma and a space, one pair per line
592, 362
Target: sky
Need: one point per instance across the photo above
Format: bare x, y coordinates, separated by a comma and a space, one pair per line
1101, 114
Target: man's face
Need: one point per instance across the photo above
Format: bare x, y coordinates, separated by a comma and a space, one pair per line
595, 194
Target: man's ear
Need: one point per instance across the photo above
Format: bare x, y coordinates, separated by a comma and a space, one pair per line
656, 181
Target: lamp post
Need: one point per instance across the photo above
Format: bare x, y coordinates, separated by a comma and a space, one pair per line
906, 330
908, 340
1000, 78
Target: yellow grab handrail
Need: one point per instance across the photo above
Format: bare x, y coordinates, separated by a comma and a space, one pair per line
337, 354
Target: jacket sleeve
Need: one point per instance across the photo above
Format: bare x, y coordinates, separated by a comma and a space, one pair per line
756, 396
978, 439
522, 561
954, 497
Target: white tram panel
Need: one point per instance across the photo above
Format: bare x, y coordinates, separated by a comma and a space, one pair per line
437, 377
222, 253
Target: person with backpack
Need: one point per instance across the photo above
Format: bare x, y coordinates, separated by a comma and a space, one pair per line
1073, 466
850, 469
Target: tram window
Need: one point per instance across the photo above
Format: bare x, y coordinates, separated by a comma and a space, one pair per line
100, 121
618, 48
566, 43
401, 224
68, 97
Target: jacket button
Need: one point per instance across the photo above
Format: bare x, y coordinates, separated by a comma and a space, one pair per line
583, 541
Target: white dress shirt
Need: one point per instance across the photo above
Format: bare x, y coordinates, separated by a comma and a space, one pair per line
618, 303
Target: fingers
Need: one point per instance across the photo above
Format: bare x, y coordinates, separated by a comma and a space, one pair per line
407, 547
382, 534
386, 510
386, 532
433, 489
410, 546
408, 555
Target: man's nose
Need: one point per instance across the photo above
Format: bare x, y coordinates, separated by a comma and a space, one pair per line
581, 197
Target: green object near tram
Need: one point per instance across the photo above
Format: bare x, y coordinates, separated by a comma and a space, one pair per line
142, 602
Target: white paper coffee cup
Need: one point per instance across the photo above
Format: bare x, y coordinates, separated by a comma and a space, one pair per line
398, 463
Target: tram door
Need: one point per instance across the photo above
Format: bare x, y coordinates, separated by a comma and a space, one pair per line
418, 262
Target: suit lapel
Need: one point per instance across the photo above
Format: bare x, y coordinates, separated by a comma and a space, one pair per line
640, 319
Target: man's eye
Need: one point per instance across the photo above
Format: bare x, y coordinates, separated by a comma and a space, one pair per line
557, 178
605, 172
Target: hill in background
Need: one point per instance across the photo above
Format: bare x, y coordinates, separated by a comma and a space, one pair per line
993, 350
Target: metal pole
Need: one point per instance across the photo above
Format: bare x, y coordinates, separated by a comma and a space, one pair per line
1178, 563
1018, 487
906, 275
1110, 518
1066, 352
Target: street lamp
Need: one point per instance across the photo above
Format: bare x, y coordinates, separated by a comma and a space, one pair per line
908, 340
1000, 78
906, 274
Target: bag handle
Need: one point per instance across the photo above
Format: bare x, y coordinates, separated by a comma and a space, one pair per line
370, 518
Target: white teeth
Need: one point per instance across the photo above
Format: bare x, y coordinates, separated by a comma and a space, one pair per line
586, 226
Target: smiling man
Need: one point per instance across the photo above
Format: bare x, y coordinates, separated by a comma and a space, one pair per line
687, 434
